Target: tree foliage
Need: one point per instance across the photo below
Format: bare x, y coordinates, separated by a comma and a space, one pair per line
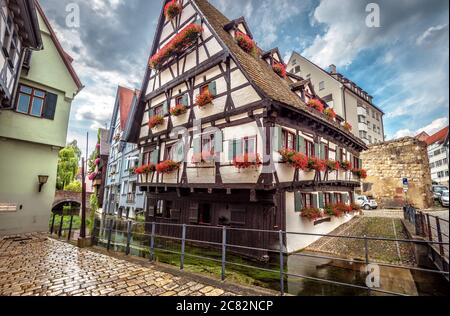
74, 186
67, 167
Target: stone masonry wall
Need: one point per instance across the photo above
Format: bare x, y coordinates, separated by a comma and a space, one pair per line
388, 163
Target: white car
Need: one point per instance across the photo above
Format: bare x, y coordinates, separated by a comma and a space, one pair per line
444, 199
367, 203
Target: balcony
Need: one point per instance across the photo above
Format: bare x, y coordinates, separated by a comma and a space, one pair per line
362, 127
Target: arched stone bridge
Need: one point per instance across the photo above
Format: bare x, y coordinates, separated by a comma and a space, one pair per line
73, 199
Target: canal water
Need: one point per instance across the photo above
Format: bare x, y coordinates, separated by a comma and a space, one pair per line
395, 280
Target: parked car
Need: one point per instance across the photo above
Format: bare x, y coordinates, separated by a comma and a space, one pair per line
444, 199
367, 203
437, 191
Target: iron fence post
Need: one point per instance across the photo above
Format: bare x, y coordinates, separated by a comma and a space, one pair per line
224, 252
94, 226
438, 227
53, 224
109, 235
281, 263
183, 247
70, 228
366, 250
430, 232
129, 235
61, 226
152, 242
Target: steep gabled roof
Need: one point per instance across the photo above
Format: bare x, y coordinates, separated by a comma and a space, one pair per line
423, 136
65, 57
125, 96
438, 137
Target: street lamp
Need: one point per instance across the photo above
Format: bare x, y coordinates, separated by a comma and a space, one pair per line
42, 180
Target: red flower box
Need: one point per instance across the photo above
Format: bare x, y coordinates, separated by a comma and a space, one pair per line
312, 214
97, 161
92, 176
204, 99
360, 173
178, 110
167, 166
316, 104
145, 169
245, 42
180, 42
333, 165
280, 69
346, 165
316, 164
172, 9
203, 157
330, 113
155, 121
247, 161
297, 160
348, 127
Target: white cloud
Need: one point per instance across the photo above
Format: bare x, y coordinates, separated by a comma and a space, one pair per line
429, 35
430, 129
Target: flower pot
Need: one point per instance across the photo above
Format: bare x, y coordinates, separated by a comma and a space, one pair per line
307, 175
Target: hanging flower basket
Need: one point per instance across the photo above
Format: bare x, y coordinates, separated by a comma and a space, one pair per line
92, 176
245, 42
346, 165
360, 173
145, 169
172, 9
332, 165
247, 161
167, 166
179, 43
204, 99
155, 121
97, 147
316, 164
178, 110
97, 161
348, 127
311, 214
317, 105
203, 157
279, 69
297, 160
330, 113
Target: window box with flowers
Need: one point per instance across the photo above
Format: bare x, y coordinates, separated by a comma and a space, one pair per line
338, 210
345, 168
347, 126
360, 173
333, 168
180, 43
155, 121
247, 161
204, 99
178, 110
144, 171
295, 159
330, 114
316, 105
205, 157
172, 9
279, 69
246, 43
167, 167
311, 214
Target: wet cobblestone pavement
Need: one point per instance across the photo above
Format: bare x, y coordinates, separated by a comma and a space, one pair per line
35, 265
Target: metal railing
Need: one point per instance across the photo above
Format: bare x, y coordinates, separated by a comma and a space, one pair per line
60, 230
226, 248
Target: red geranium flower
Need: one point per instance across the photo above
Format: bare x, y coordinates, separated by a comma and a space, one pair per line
360, 173
245, 42
311, 213
172, 9
155, 121
297, 160
167, 166
316, 104
317, 164
348, 126
178, 110
145, 169
333, 165
346, 165
204, 99
247, 161
280, 69
330, 113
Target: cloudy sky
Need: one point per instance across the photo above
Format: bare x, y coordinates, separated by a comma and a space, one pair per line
404, 63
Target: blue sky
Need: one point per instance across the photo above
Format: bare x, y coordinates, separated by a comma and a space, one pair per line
403, 64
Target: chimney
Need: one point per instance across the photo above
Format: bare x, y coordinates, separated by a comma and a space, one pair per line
333, 69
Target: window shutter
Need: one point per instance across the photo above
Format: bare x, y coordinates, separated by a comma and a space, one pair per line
49, 110
333, 198
165, 108
347, 198
278, 139
298, 202
317, 150
179, 154
315, 201
218, 142
212, 87
321, 200
193, 213
239, 147
338, 154
198, 145
152, 207
151, 113
322, 151
185, 100
155, 156
301, 145
231, 149
360, 163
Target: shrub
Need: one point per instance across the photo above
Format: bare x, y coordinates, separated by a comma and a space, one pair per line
74, 186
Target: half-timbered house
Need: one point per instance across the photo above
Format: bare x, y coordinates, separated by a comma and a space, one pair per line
214, 116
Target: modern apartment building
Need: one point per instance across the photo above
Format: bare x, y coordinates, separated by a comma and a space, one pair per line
438, 153
351, 102
122, 195
34, 119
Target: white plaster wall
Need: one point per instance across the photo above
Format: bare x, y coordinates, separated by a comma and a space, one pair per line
237, 78
188, 13
245, 96
213, 46
296, 224
191, 61
180, 120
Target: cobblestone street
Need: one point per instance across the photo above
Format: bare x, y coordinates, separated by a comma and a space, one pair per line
38, 266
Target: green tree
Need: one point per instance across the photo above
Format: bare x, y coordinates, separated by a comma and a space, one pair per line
67, 167
74, 145
74, 186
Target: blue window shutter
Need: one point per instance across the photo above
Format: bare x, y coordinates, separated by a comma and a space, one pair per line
165, 108
185, 100
180, 152
278, 139
218, 142
154, 158
197, 145
301, 145
151, 113
239, 150
212, 87
333, 198
321, 200
315, 201
231, 149
298, 202
360, 163
317, 150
